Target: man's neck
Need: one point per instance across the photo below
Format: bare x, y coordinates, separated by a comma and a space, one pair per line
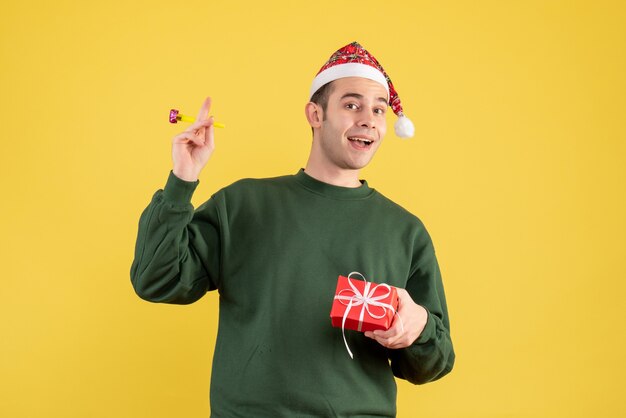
335, 176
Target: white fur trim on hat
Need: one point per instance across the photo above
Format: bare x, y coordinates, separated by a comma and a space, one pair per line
353, 69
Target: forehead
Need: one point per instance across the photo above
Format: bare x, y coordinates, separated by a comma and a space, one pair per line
363, 86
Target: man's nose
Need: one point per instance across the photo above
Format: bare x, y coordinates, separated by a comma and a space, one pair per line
367, 121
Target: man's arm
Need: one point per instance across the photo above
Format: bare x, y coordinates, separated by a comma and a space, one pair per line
420, 347
177, 251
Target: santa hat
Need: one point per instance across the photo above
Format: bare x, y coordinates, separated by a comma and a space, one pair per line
354, 61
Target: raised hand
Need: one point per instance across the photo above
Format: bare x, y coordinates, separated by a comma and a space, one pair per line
192, 148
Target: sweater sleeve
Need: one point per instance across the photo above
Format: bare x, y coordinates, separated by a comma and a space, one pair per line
178, 250
431, 356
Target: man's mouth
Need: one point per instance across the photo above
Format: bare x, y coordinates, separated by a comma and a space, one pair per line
360, 143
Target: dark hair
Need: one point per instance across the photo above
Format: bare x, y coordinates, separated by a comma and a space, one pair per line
321, 96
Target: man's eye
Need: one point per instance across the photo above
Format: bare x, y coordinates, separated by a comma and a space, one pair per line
379, 111
351, 106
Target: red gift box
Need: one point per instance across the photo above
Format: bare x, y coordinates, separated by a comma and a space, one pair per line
363, 306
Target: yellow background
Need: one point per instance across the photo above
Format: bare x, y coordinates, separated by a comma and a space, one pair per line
517, 169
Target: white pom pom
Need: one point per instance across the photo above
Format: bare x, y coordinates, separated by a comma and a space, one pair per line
404, 127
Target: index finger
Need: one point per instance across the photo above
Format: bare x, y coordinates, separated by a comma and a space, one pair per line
204, 110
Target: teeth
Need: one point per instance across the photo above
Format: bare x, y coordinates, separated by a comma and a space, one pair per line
366, 141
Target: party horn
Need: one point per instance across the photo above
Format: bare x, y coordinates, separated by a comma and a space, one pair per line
176, 116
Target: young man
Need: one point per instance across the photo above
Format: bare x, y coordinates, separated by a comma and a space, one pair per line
273, 248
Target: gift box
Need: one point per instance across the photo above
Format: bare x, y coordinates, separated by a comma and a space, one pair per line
363, 306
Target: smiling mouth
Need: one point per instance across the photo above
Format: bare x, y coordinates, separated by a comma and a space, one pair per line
361, 142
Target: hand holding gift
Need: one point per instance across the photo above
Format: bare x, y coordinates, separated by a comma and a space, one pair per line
401, 335
372, 308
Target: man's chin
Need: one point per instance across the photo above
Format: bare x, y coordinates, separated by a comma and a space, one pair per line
357, 165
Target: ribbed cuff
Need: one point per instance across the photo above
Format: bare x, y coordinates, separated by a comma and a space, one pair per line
429, 330
177, 190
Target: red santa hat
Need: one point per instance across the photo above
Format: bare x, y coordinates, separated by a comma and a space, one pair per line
354, 61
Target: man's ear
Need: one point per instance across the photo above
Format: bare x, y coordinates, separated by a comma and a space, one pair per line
314, 115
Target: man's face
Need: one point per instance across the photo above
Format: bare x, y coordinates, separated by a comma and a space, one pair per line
354, 123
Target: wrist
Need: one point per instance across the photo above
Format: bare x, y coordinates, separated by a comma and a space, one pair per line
186, 175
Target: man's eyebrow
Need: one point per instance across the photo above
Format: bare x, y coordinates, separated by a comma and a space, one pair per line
355, 95
360, 96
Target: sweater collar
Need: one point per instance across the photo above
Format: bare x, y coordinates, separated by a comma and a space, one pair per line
337, 192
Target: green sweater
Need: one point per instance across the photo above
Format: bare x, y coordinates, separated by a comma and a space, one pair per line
273, 248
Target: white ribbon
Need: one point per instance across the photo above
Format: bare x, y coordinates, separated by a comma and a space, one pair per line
366, 299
